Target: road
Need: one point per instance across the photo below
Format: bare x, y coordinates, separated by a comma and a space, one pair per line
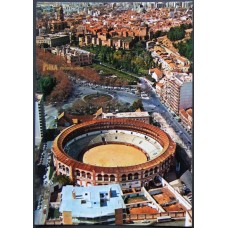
51, 113
153, 104
160, 108
39, 216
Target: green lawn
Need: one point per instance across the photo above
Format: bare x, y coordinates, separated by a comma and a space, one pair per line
107, 70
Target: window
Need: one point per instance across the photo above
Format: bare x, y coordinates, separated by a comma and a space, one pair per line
146, 173
112, 178
99, 177
124, 177
136, 176
130, 176
77, 173
156, 170
106, 177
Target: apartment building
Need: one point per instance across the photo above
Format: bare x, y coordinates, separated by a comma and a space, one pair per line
74, 55
186, 118
177, 91
53, 40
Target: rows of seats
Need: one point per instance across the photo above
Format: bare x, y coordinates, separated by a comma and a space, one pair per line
147, 144
73, 149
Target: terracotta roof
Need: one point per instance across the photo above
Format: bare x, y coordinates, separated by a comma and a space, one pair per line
189, 111
81, 118
159, 84
61, 115
98, 113
157, 72
183, 113
75, 121
67, 218
121, 123
172, 65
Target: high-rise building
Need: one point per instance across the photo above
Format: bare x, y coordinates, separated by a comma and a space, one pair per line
177, 91
39, 118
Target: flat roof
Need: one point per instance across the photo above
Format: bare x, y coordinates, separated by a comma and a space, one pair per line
88, 200
38, 96
126, 114
165, 197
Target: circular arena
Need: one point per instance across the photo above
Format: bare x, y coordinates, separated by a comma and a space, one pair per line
98, 152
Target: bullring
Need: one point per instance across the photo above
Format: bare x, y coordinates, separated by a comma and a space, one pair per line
72, 146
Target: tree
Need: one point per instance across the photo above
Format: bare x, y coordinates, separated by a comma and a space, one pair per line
137, 104
186, 48
190, 70
46, 84
62, 179
176, 33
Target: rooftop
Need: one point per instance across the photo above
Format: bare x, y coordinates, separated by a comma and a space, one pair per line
126, 114
168, 200
189, 111
92, 201
38, 97
143, 210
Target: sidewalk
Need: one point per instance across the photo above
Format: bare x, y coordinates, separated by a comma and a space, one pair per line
169, 130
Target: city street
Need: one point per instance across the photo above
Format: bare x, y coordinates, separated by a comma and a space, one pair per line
50, 114
153, 104
43, 199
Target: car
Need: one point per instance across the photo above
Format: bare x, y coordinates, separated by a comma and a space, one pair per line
129, 222
145, 221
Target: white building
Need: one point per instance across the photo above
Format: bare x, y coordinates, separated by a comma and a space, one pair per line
39, 119
93, 204
141, 116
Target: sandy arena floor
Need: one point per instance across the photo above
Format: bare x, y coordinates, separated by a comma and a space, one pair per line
113, 155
